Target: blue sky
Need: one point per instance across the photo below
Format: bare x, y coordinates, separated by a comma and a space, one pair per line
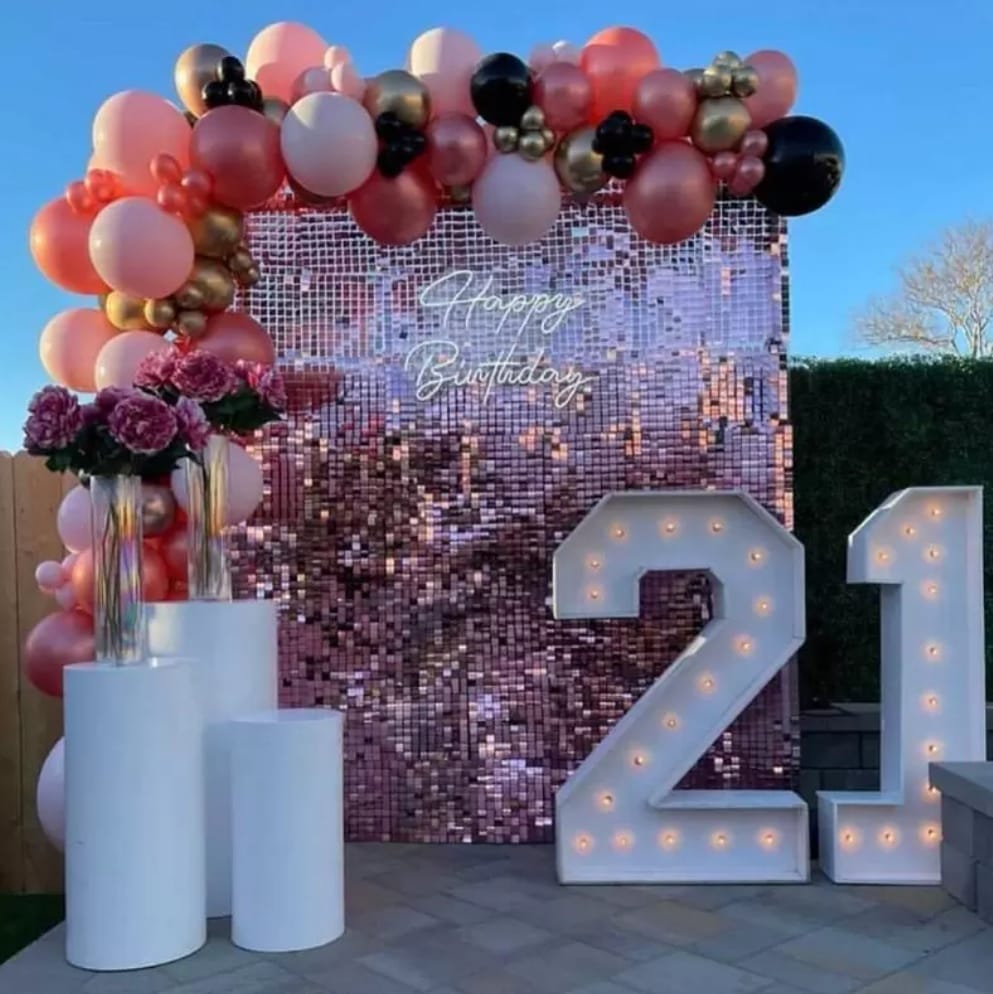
905, 83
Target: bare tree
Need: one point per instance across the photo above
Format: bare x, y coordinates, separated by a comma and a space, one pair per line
945, 300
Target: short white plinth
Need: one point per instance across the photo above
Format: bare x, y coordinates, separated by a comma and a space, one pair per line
134, 851
232, 645
288, 837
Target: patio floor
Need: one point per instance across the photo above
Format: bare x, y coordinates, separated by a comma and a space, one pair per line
492, 920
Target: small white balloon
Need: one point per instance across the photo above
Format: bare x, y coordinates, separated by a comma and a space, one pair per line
565, 51
516, 201
541, 57
50, 796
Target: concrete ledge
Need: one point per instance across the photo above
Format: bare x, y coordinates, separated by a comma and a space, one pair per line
968, 784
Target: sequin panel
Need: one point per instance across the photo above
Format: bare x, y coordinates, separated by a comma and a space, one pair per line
408, 539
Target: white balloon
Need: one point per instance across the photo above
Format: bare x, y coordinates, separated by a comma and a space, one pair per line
541, 57
516, 201
565, 51
50, 796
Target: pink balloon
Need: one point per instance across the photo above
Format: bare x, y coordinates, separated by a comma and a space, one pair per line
73, 520
131, 128
444, 60
777, 87
316, 79
279, 53
60, 247
723, 164
456, 149
70, 344
564, 93
516, 201
329, 144
50, 796
754, 143
49, 576
239, 149
671, 194
65, 597
336, 55
565, 51
244, 486
118, 361
541, 57
747, 175
234, 335
68, 563
56, 641
139, 249
666, 101
345, 79
394, 211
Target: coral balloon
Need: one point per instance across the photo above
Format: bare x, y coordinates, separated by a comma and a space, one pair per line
233, 335
666, 101
131, 128
244, 486
279, 53
329, 144
154, 577
456, 149
174, 552
671, 194
70, 344
444, 60
49, 576
139, 249
239, 149
394, 211
777, 86
336, 55
60, 247
345, 79
615, 59
158, 510
56, 641
50, 796
565, 94
73, 521
516, 201
118, 361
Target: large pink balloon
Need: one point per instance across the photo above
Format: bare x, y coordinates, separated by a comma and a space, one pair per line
244, 486
671, 194
279, 53
565, 94
50, 796
234, 335
329, 144
139, 249
239, 149
444, 60
131, 128
777, 87
60, 247
74, 520
666, 101
456, 149
56, 641
118, 361
70, 344
516, 201
395, 211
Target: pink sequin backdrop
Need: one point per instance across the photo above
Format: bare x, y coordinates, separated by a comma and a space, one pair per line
409, 541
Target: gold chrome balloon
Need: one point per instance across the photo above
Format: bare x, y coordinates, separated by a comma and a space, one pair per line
215, 282
250, 276
505, 139
397, 91
579, 168
195, 67
189, 296
533, 119
158, 509
275, 109
719, 124
240, 260
715, 81
728, 60
217, 232
549, 136
124, 312
160, 314
695, 76
744, 81
531, 145
191, 323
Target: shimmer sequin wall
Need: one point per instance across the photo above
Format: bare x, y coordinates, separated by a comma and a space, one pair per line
410, 520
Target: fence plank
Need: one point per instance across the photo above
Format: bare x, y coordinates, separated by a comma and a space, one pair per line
11, 836
37, 495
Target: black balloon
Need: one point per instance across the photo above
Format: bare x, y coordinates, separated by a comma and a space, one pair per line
389, 127
240, 92
620, 165
230, 68
215, 93
803, 166
641, 138
501, 89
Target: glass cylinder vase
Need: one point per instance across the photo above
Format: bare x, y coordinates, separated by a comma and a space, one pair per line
209, 573
118, 609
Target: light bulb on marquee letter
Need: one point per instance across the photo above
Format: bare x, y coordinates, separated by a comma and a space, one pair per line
932, 681
657, 833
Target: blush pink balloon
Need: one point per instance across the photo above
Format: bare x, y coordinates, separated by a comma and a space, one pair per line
444, 60
329, 144
335, 55
73, 521
279, 53
60, 247
394, 211
70, 344
777, 87
749, 172
234, 335
316, 79
131, 128
516, 201
66, 598
56, 641
456, 149
754, 143
666, 101
118, 361
50, 796
49, 576
541, 57
139, 249
239, 149
723, 164
564, 93
565, 51
345, 79
671, 194
244, 486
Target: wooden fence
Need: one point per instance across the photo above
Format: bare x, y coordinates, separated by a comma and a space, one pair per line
30, 722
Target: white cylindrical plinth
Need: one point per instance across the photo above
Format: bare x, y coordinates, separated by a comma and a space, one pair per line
288, 838
134, 851
232, 645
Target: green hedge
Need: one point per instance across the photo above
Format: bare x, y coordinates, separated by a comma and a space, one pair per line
862, 431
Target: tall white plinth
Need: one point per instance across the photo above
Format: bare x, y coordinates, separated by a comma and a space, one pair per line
134, 850
288, 837
233, 647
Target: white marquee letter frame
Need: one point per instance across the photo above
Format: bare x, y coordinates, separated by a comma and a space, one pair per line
924, 546
618, 818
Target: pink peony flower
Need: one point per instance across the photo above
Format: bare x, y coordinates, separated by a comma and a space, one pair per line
104, 403
156, 369
271, 388
54, 418
203, 376
142, 424
194, 428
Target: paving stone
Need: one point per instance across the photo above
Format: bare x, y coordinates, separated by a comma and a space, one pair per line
422, 965
904, 928
496, 982
369, 895
817, 980
969, 962
450, 909
217, 956
130, 982
554, 969
612, 937
255, 978
564, 914
744, 940
601, 987
354, 978
351, 946
391, 923
709, 897
674, 923
913, 983
682, 972
846, 952
503, 935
